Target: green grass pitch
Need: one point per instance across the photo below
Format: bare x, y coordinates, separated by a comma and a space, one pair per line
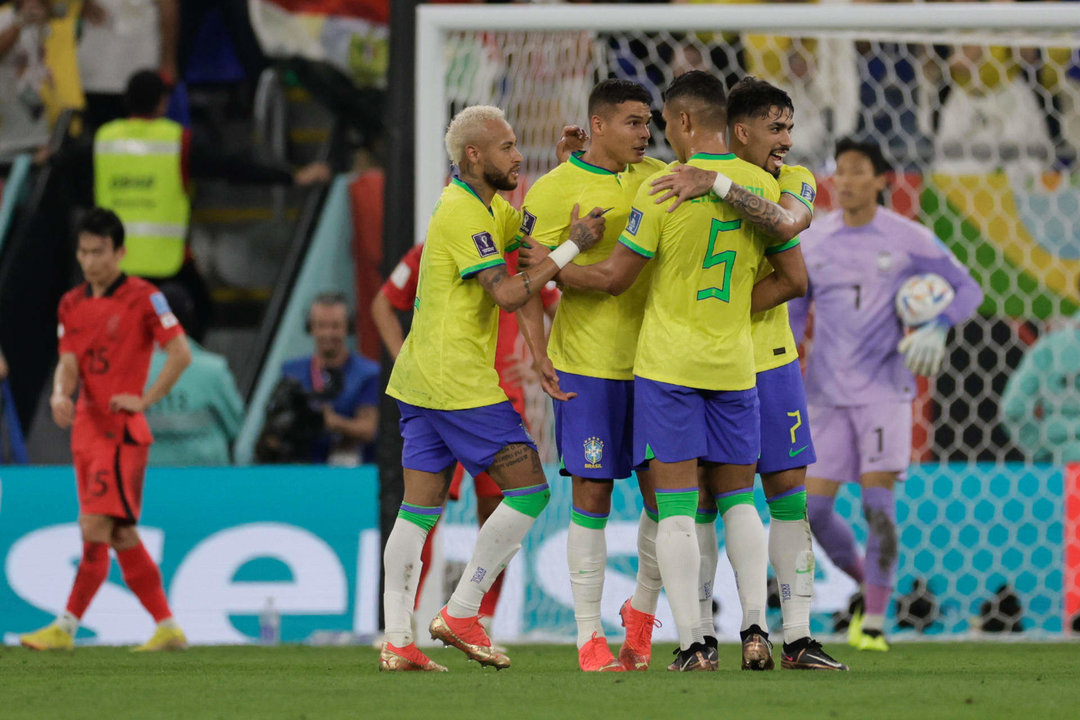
913, 681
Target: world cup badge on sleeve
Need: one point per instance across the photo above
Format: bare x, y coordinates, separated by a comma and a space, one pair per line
594, 453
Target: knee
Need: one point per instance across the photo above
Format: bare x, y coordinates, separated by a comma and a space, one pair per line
592, 496
819, 509
124, 537
96, 528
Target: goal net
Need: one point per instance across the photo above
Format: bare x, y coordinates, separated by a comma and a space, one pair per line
977, 109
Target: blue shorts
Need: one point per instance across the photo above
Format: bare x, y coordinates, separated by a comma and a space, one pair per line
434, 439
674, 423
593, 432
785, 424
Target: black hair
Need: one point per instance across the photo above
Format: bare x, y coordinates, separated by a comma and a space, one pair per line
612, 92
144, 92
702, 86
103, 223
753, 97
863, 147
331, 297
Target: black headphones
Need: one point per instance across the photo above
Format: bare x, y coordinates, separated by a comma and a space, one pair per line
331, 297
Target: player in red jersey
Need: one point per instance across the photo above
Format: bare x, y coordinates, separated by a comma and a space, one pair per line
399, 293
108, 327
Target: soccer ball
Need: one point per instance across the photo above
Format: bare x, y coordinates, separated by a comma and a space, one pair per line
922, 298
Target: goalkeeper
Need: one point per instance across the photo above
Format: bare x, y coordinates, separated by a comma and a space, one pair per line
859, 382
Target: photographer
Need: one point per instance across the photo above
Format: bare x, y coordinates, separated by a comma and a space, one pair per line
325, 409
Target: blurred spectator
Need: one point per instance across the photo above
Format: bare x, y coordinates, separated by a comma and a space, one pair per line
142, 167
1040, 407
118, 35
196, 423
3, 367
23, 75
326, 407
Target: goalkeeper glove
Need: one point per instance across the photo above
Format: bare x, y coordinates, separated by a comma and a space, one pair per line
924, 349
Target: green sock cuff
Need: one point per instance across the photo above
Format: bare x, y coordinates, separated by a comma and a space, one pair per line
726, 501
652, 513
530, 500
704, 516
593, 521
420, 515
670, 503
789, 507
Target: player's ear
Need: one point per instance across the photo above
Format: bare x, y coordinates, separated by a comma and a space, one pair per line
472, 153
596, 125
740, 133
121, 252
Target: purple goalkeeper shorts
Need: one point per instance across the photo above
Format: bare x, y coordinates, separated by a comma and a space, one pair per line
674, 423
593, 432
785, 427
860, 439
434, 439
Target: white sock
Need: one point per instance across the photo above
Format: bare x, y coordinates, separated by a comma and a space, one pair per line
710, 554
677, 553
401, 568
586, 554
168, 623
792, 556
744, 537
68, 623
647, 591
873, 622
498, 541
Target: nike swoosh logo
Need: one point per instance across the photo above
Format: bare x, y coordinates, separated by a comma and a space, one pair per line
793, 453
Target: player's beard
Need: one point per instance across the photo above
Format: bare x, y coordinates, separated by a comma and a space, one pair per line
498, 180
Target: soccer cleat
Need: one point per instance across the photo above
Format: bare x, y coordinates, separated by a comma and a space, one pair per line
595, 656
756, 649
695, 657
855, 620
164, 639
468, 636
872, 640
50, 637
713, 649
636, 650
406, 659
807, 654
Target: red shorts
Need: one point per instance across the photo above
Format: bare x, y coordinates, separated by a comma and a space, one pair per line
109, 479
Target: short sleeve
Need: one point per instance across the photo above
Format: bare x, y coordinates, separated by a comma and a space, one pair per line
472, 243
159, 320
64, 341
400, 287
800, 183
642, 231
545, 216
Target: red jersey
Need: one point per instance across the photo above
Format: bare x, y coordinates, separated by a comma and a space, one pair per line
112, 338
400, 290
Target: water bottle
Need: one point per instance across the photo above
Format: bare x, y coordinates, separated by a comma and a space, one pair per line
269, 624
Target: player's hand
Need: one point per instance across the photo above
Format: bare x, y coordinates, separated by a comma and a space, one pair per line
586, 231
573, 140
924, 349
3, 369
331, 420
549, 380
94, 13
127, 403
63, 411
531, 254
684, 182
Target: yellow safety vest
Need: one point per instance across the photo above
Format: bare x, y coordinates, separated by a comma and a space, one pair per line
138, 175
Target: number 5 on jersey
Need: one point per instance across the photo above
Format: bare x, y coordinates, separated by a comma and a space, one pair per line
714, 258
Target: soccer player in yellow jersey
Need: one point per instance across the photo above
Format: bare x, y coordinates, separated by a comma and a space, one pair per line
760, 122
452, 408
593, 342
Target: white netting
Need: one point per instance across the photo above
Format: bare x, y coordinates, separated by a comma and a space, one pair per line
981, 127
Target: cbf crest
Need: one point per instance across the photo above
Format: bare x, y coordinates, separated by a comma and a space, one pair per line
594, 452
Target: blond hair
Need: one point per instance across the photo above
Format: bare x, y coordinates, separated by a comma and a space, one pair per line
467, 127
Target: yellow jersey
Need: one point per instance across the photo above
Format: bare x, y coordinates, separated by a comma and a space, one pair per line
594, 333
696, 328
448, 359
774, 345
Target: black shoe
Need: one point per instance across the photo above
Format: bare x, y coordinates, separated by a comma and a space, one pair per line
713, 653
756, 649
842, 618
696, 657
807, 654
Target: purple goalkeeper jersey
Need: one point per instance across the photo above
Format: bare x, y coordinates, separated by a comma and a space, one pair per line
855, 273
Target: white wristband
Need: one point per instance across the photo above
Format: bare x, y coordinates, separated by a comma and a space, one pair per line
565, 253
721, 185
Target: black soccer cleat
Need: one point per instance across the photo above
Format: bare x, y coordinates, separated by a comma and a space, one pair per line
807, 654
756, 649
712, 649
694, 658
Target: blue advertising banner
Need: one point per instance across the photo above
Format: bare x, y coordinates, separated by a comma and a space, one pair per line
229, 541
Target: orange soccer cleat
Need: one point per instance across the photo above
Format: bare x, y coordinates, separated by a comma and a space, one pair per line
406, 659
595, 656
468, 636
636, 650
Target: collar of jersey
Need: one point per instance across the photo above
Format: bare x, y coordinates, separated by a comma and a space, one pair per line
468, 188
109, 290
713, 156
576, 160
